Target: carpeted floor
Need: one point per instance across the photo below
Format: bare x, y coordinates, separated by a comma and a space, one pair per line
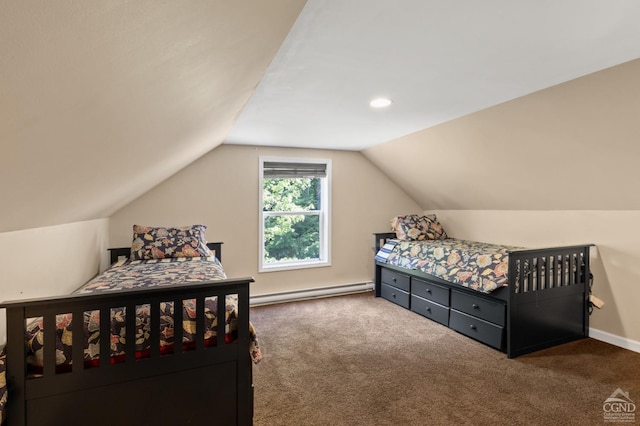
360, 360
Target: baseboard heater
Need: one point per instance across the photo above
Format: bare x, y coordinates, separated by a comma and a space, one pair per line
290, 296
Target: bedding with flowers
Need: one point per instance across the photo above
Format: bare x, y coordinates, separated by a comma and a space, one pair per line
139, 274
421, 243
478, 266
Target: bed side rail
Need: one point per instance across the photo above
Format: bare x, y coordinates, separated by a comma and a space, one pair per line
22, 386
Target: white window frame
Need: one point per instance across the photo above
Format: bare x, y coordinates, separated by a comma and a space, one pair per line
324, 218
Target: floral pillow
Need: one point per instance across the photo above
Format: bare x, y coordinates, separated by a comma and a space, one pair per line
159, 243
415, 227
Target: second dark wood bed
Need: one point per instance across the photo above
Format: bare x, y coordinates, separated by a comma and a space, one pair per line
546, 306
206, 385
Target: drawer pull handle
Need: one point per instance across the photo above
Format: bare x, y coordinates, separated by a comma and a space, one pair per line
475, 306
428, 290
428, 309
393, 295
393, 279
473, 327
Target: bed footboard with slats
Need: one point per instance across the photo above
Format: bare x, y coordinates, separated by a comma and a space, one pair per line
548, 298
199, 384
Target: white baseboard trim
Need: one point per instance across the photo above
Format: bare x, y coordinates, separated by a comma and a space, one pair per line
290, 296
613, 339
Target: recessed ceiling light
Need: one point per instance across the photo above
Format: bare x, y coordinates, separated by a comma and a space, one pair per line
380, 103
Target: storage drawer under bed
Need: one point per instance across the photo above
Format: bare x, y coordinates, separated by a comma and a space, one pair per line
483, 331
395, 295
429, 309
489, 310
396, 279
430, 291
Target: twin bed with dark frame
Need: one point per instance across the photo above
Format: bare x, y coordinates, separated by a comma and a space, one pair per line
544, 301
203, 384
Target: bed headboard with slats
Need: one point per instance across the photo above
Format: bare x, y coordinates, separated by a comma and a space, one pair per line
115, 253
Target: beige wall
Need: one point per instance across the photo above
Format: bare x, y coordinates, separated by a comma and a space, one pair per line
221, 191
615, 260
50, 261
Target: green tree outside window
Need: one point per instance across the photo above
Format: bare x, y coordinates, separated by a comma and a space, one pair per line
289, 236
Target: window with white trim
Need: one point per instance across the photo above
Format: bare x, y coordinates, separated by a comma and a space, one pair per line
294, 213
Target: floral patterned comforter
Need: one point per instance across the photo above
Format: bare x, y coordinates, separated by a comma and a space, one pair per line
479, 266
142, 274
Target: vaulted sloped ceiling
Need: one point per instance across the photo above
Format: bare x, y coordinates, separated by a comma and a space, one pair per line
573, 146
102, 100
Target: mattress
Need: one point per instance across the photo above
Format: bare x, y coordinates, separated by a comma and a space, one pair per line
479, 266
135, 275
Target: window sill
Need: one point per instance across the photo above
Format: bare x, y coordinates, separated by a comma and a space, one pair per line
292, 266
